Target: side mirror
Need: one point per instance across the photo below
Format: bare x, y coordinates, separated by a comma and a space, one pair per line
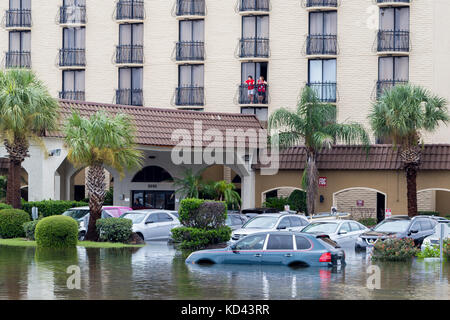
343, 232
413, 231
281, 228
147, 222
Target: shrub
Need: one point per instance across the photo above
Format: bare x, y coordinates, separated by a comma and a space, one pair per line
203, 214
47, 208
11, 223
4, 206
195, 238
368, 222
430, 252
428, 213
394, 249
447, 247
114, 229
297, 201
29, 228
57, 232
277, 203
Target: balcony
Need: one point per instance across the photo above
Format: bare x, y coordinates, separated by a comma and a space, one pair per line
130, 10
69, 15
319, 4
130, 54
72, 95
254, 6
318, 44
186, 8
190, 51
132, 97
392, 41
18, 59
383, 85
72, 58
254, 48
325, 91
252, 96
382, 3
18, 19
190, 96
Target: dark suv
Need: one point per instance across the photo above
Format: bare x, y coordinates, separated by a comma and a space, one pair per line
417, 228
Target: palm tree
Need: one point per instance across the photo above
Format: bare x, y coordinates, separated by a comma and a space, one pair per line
97, 142
313, 123
189, 185
226, 192
402, 114
27, 110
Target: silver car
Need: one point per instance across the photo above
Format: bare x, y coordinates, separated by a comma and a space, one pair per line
343, 232
433, 240
270, 222
153, 224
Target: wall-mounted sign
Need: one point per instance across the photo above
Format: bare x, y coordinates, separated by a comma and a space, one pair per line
360, 203
152, 186
322, 181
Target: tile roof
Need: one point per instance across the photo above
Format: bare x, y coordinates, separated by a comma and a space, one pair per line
380, 157
155, 126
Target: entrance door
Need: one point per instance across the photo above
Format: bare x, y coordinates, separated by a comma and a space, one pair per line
153, 200
381, 206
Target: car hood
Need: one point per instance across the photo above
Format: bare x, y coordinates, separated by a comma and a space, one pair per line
378, 234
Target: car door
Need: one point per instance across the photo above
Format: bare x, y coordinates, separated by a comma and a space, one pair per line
279, 249
343, 235
152, 229
427, 227
415, 232
296, 223
356, 230
247, 251
165, 224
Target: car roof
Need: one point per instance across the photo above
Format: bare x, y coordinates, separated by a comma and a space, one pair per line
103, 208
280, 214
150, 211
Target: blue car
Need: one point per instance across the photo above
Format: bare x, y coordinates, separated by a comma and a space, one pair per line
294, 249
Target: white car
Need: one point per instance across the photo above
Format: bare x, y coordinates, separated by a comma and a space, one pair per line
343, 232
153, 224
434, 238
270, 222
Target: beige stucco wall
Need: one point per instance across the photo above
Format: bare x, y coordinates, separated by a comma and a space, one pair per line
357, 63
443, 202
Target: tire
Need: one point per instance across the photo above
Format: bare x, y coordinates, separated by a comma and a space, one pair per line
140, 236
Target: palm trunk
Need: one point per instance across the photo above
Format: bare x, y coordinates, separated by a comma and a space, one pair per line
17, 152
312, 188
96, 192
411, 185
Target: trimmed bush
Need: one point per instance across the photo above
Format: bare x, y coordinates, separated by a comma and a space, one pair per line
297, 201
114, 229
195, 238
368, 222
47, 208
202, 214
11, 223
4, 206
428, 213
57, 232
29, 228
277, 203
394, 249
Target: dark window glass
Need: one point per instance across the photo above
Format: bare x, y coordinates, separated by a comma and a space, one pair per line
152, 218
280, 242
295, 222
251, 242
416, 226
284, 223
302, 243
152, 174
164, 217
426, 225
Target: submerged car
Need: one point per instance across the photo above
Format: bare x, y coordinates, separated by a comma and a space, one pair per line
343, 232
294, 249
433, 240
416, 228
152, 224
270, 222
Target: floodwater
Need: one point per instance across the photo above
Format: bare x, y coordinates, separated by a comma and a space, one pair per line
158, 271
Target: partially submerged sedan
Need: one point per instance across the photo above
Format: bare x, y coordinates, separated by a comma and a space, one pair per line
294, 249
343, 232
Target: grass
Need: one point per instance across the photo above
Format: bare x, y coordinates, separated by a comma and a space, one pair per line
22, 242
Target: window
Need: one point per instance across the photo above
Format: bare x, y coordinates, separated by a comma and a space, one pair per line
152, 174
345, 227
190, 85
255, 242
284, 223
426, 225
130, 86
302, 243
20, 4
74, 38
392, 71
255, 37
73, 11
131, 34
295, 222
394, 19
322, 78
261, 113
19, 13
164, 217
280, 242
73, 85
19, 41
153, 218
416, 226
254, 69
192, 30
236, 220
355, 226
322, 37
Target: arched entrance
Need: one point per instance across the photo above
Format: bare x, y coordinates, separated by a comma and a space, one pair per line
361, 202
436, 200
294, 197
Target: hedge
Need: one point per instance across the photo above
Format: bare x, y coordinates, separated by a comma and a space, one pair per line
48, 208
203, 214
29, 228
4, 206
114, 229
428, 213
57, 232
11, 223
195, 238
394, 249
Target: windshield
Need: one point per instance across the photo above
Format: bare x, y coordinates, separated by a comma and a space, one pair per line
76, 214
134, 217
326, 227
392, 226
261, 223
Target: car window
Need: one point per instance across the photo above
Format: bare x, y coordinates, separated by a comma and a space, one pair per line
135, 217
295, 222
280, 242
326, 227
255, 242
345, 227
355, 226
426, 225
236, 220
416, 226
284, 223
302, 243
113, 212
152, 218
164, 217
264, 222
392, 226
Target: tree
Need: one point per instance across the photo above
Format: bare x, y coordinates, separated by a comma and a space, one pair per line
226, 191
402, 114
27, 110
189, 185
3, 184
313, 123
96, 142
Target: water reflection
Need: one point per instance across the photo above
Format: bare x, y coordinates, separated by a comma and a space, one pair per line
158, 271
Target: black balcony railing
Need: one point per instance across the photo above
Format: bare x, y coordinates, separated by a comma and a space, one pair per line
385, 1
130, 54
72, 95
72, 57
190, 8
190, 50
253, 94
130, 10
72, 14
254, 5
321, 3
18, 18
383, 85
254, 48
132, 97
325, 91
190, 96
389, 40
18, 59
321, 44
